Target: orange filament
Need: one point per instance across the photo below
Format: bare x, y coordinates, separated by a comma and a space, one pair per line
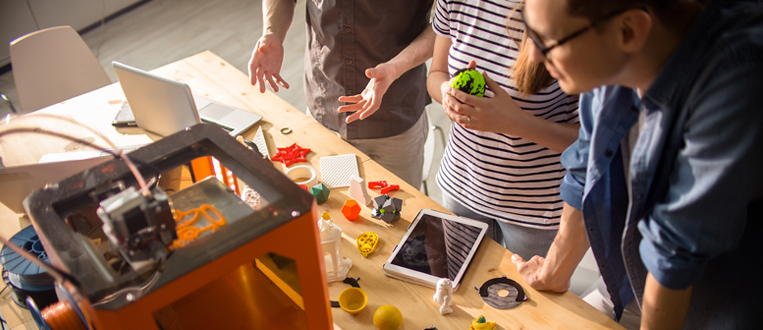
61, 316
187, 233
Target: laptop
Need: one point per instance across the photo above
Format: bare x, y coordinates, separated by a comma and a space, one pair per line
164, 106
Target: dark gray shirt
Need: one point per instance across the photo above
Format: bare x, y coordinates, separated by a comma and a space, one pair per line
344, 38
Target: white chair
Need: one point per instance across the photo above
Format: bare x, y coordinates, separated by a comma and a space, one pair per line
429, 147
52, 65
8, 101
585, 274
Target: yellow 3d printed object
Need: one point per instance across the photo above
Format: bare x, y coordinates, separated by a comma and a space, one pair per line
367, 242
481, 324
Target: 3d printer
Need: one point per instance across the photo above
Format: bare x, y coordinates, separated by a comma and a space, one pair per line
131, 260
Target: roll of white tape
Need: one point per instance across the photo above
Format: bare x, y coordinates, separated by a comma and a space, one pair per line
303, 174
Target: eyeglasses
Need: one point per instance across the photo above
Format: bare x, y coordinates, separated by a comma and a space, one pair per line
545, 50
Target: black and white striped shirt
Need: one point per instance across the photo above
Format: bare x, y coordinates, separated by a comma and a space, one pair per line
497, 175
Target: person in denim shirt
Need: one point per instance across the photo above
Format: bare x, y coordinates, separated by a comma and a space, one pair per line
672, 216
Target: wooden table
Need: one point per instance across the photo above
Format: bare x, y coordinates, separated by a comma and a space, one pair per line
212, 77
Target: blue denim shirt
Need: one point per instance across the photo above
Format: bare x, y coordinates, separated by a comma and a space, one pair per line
595, 181
696, 173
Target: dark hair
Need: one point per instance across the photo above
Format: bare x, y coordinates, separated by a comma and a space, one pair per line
676, 14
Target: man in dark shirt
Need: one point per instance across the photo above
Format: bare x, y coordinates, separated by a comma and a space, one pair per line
357, 54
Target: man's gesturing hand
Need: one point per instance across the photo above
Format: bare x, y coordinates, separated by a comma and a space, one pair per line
367, 102
265, 63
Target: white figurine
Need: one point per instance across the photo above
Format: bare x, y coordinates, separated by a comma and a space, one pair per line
331, 242
444, 295
358, 190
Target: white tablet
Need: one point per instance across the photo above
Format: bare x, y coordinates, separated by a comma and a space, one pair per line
437, 245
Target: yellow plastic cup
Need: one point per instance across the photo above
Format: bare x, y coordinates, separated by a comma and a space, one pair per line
353, 300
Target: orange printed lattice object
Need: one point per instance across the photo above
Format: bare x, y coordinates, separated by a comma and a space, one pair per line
188, 233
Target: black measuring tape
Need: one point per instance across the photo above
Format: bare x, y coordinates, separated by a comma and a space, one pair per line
489, 293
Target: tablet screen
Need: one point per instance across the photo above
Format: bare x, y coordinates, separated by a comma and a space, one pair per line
437, 247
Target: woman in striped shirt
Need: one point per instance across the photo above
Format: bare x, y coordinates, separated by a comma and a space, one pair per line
501, 163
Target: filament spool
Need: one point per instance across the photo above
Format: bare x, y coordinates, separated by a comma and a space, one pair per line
58, 316
25, 278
